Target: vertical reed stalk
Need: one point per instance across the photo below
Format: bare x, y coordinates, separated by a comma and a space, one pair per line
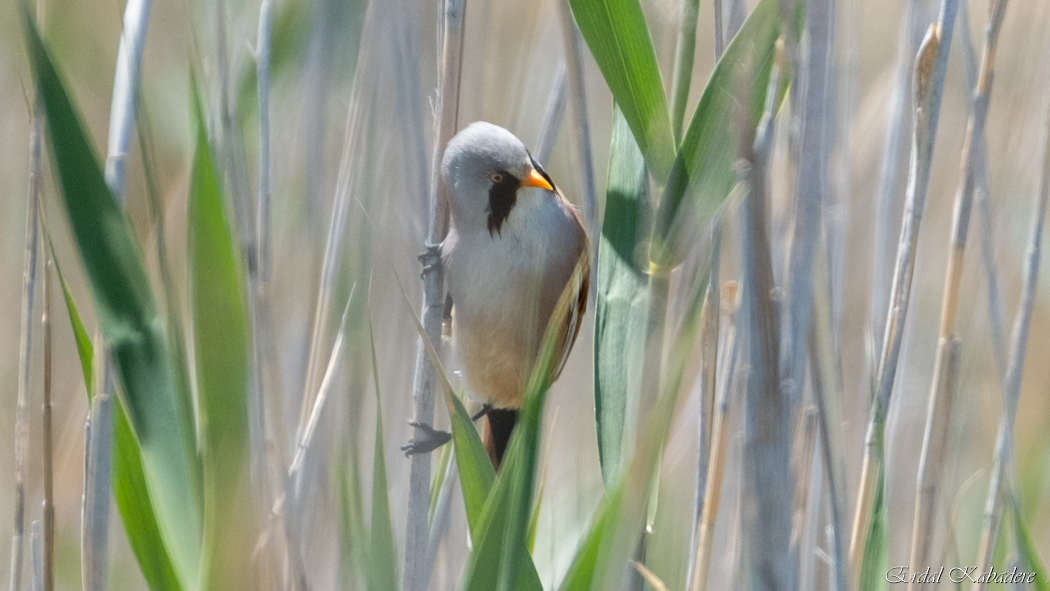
737, 14
659, 257
258, 298
355, 121
720, 41
767, 505
99, 449
32, 244
930, 67
826, 384
263, 219
706, 387
47, 577
811, 182
1012, 381
98, 454
336, 230
984, 209
37, 549
552, 116
946, 370
887, 200
582, 131
125, 93
805, 515
232, 148
938, 414
417, 534
719, 441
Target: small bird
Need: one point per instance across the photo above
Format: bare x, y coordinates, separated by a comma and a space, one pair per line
513, 246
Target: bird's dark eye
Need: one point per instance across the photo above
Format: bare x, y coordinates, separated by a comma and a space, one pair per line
497, 178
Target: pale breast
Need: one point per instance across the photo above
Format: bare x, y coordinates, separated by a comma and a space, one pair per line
504, 288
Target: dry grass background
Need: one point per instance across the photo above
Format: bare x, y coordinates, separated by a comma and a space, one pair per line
511, 51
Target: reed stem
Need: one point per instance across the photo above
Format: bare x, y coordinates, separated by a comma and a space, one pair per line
767, 508
930, 67
417, 534
997, 488
29, 264
48, 538
942, 389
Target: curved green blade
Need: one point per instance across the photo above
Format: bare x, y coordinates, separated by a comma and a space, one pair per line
127, 315
616, 33
220, 323
129, 483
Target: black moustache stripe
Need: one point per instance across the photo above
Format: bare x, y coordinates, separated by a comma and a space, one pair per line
502, 196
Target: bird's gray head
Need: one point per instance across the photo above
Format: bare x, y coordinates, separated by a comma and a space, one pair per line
484, 166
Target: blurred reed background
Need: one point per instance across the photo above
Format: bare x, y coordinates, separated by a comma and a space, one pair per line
353, 99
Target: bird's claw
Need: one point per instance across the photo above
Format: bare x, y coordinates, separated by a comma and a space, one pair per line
430, 258
486, 409
428, 440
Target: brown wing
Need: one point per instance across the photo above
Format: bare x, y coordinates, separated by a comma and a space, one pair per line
582, 278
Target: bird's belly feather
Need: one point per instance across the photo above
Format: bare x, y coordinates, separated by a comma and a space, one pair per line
497, 283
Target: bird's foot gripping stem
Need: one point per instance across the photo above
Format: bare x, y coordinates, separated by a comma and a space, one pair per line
486, 409
431, 259
427, 441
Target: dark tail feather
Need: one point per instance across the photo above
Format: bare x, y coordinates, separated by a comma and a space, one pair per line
499, 424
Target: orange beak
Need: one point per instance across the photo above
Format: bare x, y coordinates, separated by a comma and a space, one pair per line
535, 179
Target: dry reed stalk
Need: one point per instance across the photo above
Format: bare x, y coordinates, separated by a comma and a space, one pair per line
767, 503
939, 408
36, 547
946, 370
812, 516
811, 189
125, 94
263, 220
705, 386
98, 446
719, 439
887, 193
737, 12
47, 577
29, 264
1015, 365
417, 534
930, 67
306, 436
355, 120
730, 305
552, 116
984, 208
99, 434
826, 384
259, 302
294, 497
808, 488
439, 523
582, 132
